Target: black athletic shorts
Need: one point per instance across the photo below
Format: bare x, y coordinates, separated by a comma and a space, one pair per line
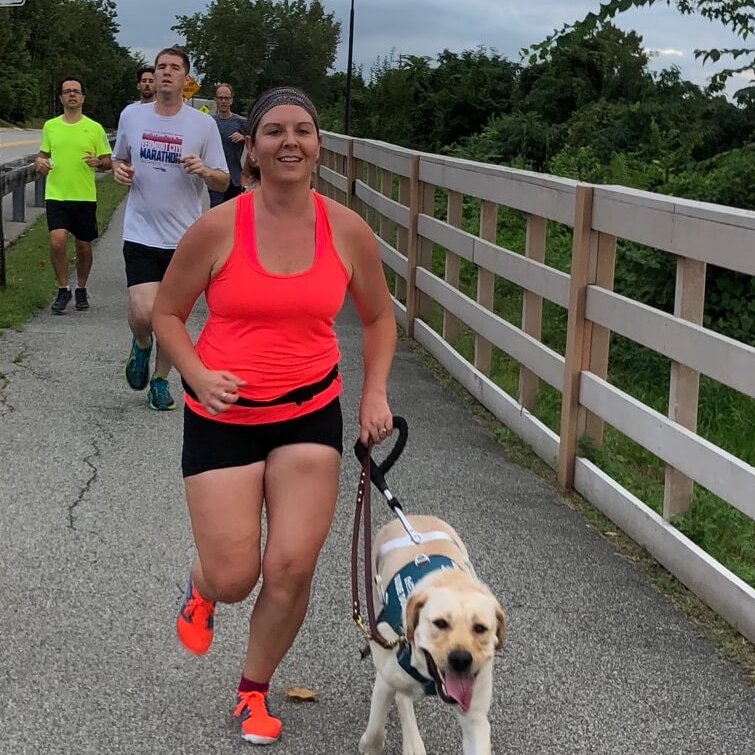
145, 264
209, 444
78, 218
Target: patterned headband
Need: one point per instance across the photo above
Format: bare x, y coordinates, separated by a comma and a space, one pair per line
279, 96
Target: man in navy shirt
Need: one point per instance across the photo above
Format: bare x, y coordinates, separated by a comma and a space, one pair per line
232, 129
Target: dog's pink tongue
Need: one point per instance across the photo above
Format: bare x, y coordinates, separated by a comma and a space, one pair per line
460, 687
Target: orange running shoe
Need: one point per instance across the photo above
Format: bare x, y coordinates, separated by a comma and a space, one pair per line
195, 621
257, 725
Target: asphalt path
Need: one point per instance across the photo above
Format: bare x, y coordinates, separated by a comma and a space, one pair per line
95, 547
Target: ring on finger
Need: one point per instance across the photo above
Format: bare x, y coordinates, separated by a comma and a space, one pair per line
224, 395
382, 431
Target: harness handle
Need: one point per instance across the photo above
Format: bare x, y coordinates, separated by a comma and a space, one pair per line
378, 471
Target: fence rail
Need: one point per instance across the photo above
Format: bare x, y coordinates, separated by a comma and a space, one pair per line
396, 191
14, 177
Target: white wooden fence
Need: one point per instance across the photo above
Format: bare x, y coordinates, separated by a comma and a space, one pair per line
395, 188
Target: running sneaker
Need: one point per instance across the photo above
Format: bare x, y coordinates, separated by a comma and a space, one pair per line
257, 725
137, 365
158, 396
61, 301
82, 300
195, 622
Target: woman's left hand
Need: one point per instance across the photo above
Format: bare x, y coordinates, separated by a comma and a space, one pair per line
375, 418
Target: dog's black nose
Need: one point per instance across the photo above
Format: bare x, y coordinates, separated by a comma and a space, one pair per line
460, 660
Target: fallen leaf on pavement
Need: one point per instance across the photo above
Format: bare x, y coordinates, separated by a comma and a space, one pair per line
301, 694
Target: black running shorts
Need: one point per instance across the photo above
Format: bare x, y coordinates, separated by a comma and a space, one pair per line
209, 444
145, 264
78, 218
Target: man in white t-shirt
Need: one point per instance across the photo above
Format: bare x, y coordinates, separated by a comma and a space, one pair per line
166, 153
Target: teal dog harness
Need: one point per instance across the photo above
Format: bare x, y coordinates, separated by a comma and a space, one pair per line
396, 594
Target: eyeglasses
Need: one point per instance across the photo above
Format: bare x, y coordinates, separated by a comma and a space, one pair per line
72, 91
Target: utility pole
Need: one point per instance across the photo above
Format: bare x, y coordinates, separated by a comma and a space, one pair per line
347, 106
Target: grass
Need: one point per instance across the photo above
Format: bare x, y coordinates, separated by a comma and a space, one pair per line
31, 284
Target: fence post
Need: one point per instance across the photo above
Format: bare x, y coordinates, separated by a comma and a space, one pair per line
2, 251
386, 226
19, 204
358, 206
453, 266
39, 191
350, 175
684, 389
402, 234
412, 254
574, 361
425, 246
483, 350
532, 309
371, 215
597, 338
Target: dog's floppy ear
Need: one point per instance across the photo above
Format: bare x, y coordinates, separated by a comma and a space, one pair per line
500, 627
413, 606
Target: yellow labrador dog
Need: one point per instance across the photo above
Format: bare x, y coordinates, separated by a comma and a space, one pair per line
453, 625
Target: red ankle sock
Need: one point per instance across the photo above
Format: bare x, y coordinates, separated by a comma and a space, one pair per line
247, 685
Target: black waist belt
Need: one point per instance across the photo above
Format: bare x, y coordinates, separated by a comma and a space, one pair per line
298, 396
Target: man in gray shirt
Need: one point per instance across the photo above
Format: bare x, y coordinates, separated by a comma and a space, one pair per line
166, 153
232, 129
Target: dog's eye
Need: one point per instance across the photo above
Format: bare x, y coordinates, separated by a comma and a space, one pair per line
479, 629
441, 623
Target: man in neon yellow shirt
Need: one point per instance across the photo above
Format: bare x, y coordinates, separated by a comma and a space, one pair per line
73, 148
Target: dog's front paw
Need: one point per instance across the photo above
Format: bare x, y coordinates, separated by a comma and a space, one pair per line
413, 748
372, 744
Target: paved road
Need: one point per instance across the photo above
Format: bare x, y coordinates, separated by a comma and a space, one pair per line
95, 546
16, 143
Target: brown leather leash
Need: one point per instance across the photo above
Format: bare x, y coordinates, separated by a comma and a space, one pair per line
363, 520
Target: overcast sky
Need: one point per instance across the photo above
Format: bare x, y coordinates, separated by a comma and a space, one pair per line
426, 27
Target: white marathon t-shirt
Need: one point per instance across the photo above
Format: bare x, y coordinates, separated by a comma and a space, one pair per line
164, 200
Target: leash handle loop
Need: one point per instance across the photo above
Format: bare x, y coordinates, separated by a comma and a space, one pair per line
378, 471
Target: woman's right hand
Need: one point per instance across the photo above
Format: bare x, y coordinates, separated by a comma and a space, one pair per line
217, 390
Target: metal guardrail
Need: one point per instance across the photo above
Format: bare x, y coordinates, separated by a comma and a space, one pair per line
14, 176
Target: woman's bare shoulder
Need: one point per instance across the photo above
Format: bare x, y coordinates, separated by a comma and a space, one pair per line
215, 225
344, 221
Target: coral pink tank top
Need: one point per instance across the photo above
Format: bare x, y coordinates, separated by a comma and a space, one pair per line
274, 331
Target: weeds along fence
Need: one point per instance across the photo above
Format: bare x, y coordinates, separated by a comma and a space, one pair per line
439, 222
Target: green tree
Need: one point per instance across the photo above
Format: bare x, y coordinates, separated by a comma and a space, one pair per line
256, 44
520, 138
42, 41
736, 15
461, 94
387, 108
417, 104
603, 64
